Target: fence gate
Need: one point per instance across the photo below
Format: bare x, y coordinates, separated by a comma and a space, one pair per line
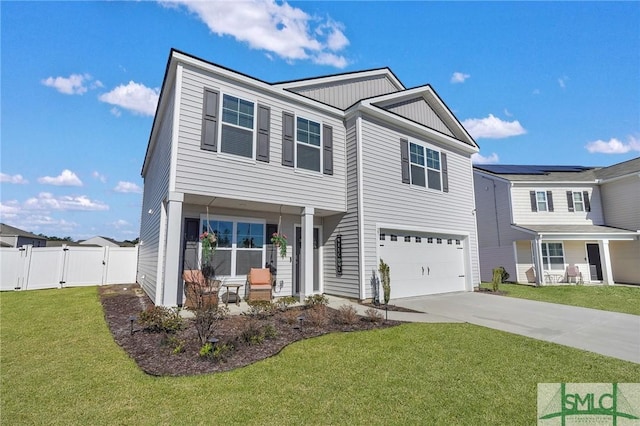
29, 268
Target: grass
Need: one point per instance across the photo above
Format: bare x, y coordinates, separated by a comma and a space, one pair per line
59, 365
606, 298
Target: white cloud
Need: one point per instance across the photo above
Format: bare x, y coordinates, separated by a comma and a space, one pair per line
492, 127
115, 111
613, 146
120, 223
128, 187
562, 81
507, 113
134, 97
66, 178
9, 209
46, 201
267, 25
18, 179
459, 77
479, 159
97, 175
75, 84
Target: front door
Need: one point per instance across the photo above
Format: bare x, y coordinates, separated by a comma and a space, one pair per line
595, 266
316, 260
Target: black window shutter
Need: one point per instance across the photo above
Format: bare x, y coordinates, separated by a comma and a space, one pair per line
404, 157
287, 139
209, 139
587, 203
264, 120
550, 201
327, 141
570, 200
445, 172
534, 202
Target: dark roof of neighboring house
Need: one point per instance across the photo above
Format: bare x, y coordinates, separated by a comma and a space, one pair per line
60, 243
522, 172
17, 232
619, 170
576, 229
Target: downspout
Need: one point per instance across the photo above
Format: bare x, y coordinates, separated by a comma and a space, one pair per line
359, 170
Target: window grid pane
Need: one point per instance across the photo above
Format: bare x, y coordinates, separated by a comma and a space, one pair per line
433, 159
308, 132
417, 154
237, 111
578, 204
541, 198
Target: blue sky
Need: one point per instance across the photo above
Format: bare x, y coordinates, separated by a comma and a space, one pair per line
535, 82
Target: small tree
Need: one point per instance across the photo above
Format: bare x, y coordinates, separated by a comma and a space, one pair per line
498, 273
383, 268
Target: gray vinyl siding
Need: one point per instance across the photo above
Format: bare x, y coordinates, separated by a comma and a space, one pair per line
343, 94
621, 203
156, 188
348, 284
560, 215
419, 111
625, 256
387, 200
213, 174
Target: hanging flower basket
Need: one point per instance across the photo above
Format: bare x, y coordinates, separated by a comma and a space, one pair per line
280, 240
209, 242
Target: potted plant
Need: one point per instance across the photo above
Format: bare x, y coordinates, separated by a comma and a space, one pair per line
201, 286
279, 240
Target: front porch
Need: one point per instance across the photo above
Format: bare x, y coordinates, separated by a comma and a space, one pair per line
243, 230
571, 254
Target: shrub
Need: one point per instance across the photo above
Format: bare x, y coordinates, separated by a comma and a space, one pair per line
505, 274
498, 273
260, 308
316, 316
383, 268
252, 333
284, 302
217, 352
270, 331
374, 315
316, 300
291, 316
347, 315
161, 319
176, 344
205, 319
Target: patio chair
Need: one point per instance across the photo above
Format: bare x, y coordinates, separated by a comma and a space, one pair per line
259, 284
200, 292
573, 272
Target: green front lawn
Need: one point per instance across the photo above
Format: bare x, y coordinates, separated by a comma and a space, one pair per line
606, 298
59, 365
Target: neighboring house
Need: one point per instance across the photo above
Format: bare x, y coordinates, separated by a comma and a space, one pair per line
548, 224
352, 168
103, 242
15, 237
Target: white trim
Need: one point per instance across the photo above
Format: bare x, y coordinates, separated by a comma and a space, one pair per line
421, 229
297, 226
175, 130
358, 75
361, 255
548, 256
425, 147
221, 122
234, 235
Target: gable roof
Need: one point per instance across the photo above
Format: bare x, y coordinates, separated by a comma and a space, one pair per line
11, 231
619, 170
538, 173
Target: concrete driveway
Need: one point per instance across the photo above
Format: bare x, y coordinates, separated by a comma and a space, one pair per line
607, 333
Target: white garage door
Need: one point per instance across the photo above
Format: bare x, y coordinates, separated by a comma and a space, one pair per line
421, 264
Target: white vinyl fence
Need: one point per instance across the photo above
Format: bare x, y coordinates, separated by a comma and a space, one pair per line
30, 268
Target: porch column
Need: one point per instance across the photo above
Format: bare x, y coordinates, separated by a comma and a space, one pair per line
605, 261
539, 263
306, 265
172, 249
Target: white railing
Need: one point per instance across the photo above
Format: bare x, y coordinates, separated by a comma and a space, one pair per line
30, 268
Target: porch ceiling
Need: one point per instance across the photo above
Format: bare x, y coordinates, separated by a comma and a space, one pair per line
252, 206
578, 232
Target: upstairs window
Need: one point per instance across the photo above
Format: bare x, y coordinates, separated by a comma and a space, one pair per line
237, 126
422, 166
308, 144
578, 201
541, 201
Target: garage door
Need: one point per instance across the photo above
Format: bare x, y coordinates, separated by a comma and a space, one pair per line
421, 264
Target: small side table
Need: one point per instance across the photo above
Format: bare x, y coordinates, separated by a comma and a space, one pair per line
235, 293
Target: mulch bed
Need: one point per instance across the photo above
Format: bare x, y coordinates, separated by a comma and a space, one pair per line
153, 352
390, 308
490, 291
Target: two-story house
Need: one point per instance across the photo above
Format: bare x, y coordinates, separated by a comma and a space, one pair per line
352, 168
550, 224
